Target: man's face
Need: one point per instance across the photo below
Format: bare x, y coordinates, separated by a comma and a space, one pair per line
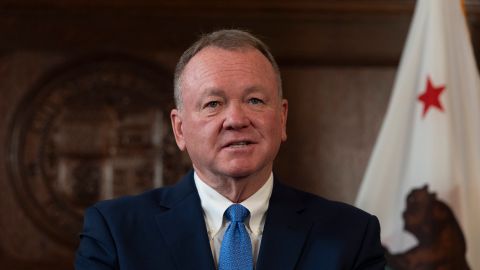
232, 120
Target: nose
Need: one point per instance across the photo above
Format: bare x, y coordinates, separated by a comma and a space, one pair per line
236, 117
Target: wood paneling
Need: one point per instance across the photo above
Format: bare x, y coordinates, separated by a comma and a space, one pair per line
300, 32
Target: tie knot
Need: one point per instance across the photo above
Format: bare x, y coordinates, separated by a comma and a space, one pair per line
236, 213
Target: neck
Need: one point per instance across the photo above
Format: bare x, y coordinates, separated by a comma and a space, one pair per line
235, 189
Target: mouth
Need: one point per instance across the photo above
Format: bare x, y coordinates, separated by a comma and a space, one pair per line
238, 144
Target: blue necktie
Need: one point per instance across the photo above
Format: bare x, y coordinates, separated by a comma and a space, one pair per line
236, 249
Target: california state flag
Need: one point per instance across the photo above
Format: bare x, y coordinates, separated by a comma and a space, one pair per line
423, 179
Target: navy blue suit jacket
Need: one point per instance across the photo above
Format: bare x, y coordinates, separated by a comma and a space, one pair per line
165, 229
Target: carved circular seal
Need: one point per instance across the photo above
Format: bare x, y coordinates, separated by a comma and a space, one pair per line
91, 130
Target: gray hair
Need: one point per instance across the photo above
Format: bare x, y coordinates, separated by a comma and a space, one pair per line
228, 39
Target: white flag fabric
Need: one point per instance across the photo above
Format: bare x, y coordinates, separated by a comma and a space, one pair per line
423, 178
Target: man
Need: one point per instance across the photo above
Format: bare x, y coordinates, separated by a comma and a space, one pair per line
229, 212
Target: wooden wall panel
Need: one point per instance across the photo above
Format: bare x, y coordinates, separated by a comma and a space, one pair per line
298, 31
335, 115
23, 245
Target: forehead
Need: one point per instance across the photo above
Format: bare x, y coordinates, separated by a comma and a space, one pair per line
213, 65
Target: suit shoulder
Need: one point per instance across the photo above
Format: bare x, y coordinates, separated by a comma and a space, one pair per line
128, 201
318, 206
145, 202
154, 200
163, 197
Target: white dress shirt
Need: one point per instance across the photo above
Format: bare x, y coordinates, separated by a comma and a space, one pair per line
214, 205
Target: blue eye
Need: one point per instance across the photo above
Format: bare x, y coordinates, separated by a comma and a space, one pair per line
255, 101
212, 104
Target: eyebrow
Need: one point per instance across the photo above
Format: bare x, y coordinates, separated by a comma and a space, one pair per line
217, 92
213, 92
209, 92
221, 93
253, 89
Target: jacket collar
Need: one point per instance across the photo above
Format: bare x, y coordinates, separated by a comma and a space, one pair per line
183, 227
286, 230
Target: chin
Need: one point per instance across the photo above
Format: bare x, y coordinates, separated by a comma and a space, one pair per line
242, 172
238, 174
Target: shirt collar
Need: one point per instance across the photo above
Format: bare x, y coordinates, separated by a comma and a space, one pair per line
214, 205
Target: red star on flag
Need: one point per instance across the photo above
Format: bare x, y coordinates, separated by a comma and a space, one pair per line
431, 96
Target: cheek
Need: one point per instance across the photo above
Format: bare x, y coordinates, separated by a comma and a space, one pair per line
270, 128
277, 127
200, 132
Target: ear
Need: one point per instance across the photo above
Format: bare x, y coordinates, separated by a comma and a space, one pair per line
284, 119
176, 119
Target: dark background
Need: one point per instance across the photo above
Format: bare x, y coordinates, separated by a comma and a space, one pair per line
338, 60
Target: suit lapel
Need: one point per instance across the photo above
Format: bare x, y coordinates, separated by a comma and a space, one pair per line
285, 230
183, 227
